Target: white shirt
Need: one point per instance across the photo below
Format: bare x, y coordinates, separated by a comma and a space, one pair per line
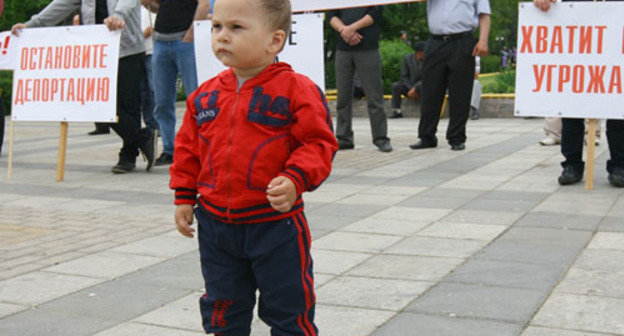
446, 17
147, 20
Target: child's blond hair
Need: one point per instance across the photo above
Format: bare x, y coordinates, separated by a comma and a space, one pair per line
277, 13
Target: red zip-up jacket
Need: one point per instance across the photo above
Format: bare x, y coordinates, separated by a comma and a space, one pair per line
233, 142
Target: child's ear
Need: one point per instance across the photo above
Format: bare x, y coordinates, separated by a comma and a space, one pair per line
278, 38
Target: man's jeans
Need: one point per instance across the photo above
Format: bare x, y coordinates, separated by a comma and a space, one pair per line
171, 58
147, 95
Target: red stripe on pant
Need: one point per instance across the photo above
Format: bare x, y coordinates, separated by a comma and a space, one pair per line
303, 320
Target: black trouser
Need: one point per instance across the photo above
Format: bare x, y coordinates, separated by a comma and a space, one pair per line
572, 134
448, 65
398, 89
128, 125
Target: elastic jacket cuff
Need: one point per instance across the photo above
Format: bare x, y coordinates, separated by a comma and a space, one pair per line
185, 196
298, 178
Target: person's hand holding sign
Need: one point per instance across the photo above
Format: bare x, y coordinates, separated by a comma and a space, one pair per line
114, 22
15, 30
543, 4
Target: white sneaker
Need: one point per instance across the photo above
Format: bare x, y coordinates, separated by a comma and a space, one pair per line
548, 141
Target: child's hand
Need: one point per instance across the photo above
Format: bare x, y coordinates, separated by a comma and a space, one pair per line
184, 219
281, 193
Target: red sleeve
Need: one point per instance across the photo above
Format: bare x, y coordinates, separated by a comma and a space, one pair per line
310, 162
186, 165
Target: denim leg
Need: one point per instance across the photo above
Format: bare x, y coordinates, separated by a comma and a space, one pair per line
147, 95
185, 60
165, 76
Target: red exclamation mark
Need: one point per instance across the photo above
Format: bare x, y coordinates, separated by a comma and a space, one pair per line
5, 46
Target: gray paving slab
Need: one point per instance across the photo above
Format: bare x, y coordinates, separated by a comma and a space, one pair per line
420, 324
38, 322
169, 273
612, 224
526, 252
478, 301
130, 299
541, 277
560, 221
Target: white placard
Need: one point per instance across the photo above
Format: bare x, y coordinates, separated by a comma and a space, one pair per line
7, 50
66, 74
318, 5
571, 60
303, 49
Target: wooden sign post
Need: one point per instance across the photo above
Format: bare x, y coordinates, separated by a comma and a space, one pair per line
60, 166
591, 153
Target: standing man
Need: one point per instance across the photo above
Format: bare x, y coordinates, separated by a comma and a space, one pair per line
572, 132
116, 15
357, 49
410, 84
450, 65
174, 53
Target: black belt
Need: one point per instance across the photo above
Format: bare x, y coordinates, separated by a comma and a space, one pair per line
451, 37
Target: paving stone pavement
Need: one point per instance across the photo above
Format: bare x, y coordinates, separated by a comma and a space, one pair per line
435, 242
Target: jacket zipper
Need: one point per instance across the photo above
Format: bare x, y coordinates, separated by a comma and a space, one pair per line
229, 157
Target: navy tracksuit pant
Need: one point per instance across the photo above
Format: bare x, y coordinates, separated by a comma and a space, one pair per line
273, 257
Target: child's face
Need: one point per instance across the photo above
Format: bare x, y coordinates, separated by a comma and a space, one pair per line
240, 37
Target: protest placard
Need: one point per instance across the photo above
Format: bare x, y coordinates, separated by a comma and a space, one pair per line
303, 49
7, 50
319, 5
66, 74
570, 60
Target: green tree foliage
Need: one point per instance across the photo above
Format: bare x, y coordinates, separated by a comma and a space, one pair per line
20, 11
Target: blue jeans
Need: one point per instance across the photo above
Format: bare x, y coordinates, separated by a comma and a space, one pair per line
147, 95
171, 58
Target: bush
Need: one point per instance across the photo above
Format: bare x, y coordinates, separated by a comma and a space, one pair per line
392, 52
505, 82
491, 63
6, 87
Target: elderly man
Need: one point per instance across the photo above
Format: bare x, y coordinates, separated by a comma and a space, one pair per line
450, 65
116, 15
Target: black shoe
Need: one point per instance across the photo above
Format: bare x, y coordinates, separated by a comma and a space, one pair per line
396, 115
344, 145
570, 175
474, 114
123, 167
422, 144
98, 131
146, 146
457, 146
384, 147
164, 160
616, 177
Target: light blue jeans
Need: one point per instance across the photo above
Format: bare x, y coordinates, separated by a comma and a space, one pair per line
171, 58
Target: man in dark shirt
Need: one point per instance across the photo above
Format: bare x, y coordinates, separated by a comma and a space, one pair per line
572, 134
174, 53
411, 79
357, 49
